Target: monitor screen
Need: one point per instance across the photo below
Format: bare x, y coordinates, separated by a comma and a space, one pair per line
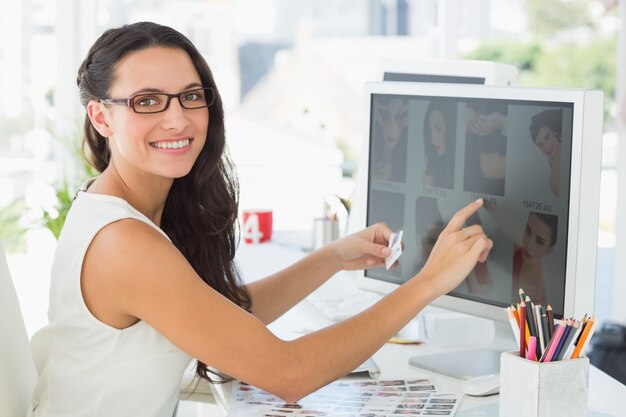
433, 148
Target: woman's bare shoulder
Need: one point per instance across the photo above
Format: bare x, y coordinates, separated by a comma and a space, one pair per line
130, 246
127, 231
125, 260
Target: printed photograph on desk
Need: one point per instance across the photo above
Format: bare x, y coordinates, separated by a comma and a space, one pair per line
353, 397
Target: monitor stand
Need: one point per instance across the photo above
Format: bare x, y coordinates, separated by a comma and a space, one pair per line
468, 364
465, 364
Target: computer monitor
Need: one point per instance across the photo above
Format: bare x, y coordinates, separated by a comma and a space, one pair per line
533, 155
448, 71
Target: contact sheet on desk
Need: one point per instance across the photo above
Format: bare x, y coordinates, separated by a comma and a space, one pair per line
350, 398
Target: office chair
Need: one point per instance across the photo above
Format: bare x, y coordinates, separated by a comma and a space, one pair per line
17, 369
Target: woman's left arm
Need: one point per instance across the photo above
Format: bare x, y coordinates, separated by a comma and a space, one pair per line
274, 295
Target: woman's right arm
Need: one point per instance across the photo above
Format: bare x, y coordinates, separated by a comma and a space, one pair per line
133, 273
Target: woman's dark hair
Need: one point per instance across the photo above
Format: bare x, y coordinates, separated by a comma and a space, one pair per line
548, 118
441, 167
552, 221
200, 212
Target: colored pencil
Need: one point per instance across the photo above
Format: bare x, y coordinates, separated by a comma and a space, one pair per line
522, 295
550, 320
545, 352
514, 324
558, 333
530, 321
515, 314
544, 327
526, 332
532, 351
559, 347
535, 318
568, 337
541, 344
571, 345
583, 325
522, 327
584, 339
530, 317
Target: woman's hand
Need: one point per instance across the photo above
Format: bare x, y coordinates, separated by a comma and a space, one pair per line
456, 252
364, 249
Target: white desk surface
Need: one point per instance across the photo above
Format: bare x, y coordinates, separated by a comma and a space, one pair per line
607, 397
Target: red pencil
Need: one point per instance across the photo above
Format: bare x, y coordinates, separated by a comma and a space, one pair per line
522, 329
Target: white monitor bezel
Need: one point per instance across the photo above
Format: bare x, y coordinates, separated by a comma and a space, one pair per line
585, 178
493, 73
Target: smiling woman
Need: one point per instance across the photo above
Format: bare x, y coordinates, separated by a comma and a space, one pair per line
144, 279
149, 142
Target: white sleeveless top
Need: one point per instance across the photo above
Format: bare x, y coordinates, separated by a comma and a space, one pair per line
86, 367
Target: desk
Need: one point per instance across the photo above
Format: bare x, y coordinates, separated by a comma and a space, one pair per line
607, 397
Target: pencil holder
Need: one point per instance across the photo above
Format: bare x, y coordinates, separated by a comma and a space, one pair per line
324, 231
550, 389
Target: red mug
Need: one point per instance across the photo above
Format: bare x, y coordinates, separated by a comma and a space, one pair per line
257, 225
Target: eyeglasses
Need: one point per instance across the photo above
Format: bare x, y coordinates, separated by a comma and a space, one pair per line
158, 102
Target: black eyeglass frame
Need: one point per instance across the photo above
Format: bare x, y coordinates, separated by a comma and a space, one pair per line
130, 102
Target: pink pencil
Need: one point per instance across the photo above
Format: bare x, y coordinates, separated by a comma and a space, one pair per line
522, 330
532, 349
555, 340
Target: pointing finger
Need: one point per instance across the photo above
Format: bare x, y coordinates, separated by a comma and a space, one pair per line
461, 216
